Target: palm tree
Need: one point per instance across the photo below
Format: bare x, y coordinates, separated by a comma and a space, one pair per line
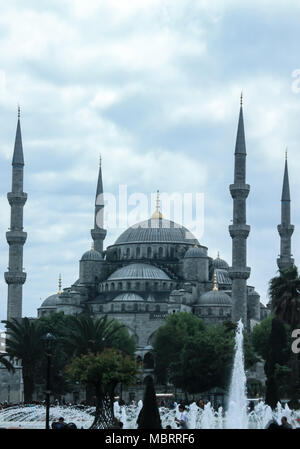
24, 342
85, 334
284, 291
6, 363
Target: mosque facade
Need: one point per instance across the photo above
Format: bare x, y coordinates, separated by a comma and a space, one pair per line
154, 268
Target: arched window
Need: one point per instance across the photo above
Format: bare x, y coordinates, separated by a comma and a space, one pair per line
137, 285
119, 285
209, 311
135, 307
138, 252
123, 307
112, 308
160, 252
127, 253
172, 252
149, 251
112, 286
128, 285
106, 287
221, 312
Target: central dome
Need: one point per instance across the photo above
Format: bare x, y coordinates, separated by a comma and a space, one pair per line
157, 230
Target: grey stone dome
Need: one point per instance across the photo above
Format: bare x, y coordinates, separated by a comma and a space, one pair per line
195, 252
157, 230
220, 264
51, 301
91, 255
215, 298
139, 271
128, 297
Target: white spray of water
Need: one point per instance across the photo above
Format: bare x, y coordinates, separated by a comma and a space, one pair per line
236, 416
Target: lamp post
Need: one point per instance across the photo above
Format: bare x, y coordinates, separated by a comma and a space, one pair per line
49, 341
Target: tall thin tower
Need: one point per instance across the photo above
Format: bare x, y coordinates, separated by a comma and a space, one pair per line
98, 232
16, 237
239, 230
285, 229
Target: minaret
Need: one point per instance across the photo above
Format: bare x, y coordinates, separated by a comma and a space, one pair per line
239, 230
98, 233
16, 237
285, 229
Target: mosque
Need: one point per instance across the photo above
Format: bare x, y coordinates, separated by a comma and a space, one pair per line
154, 268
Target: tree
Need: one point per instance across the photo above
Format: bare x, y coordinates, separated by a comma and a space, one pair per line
276, 356
103, 371
85, 334
149, 417
6, 363
24, 343
170, 339
204, 361
284, 291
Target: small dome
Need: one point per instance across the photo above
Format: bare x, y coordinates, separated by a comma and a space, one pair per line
215, 298
91, 255
196, 251
128, 297
139, 271
51, 301
253, 293
220, 263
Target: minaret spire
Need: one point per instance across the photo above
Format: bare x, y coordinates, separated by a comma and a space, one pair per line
239, 230
16, 237
98, 232
285, 229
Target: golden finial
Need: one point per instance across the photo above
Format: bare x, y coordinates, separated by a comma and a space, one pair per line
19, 112
59, 285
93, 246
218, 255
157, 213
196, 245
215, 287
241, 99
100, 161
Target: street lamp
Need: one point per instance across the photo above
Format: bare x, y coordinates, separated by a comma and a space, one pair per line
49, 342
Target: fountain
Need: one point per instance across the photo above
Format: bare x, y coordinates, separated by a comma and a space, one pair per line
236, 417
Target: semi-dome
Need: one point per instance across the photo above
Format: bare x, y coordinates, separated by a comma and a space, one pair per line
128, 297
51, 301
157, 230
220, 263
215, 298
194, 252
91, 255
139, 271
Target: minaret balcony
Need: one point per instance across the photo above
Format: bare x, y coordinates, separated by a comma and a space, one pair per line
17, 198
15, 277
98, 234
285, 230
239, 273
239, 191
239, 230
17, 237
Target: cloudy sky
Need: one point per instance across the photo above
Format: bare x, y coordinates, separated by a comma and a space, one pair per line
154, 86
